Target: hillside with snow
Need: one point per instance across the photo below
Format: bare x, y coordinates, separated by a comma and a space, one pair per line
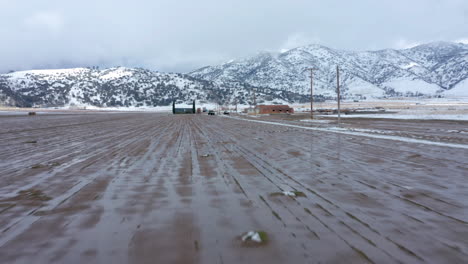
437, 69
434, 69
125, 87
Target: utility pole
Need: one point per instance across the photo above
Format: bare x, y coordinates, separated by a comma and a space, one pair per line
255, 101
338, 92
235, 101
312, 92
254, 97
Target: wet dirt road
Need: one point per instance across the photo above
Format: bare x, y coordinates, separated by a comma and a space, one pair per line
158, 188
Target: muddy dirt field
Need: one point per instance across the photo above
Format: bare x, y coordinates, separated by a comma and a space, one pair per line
447, 131
158, 188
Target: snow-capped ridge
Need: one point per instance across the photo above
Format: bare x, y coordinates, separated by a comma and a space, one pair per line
428, 70
123, 87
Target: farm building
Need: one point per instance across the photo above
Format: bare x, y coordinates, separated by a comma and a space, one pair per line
183, 110
274, 109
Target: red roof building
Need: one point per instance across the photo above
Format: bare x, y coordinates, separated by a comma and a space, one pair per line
274, 109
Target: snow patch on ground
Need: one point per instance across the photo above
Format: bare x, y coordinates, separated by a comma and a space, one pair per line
289, 193
359, 86
23, 74
460, 90
315, 121
252, 235
408, 117
409, 85
410, 65
360, 130
115, 74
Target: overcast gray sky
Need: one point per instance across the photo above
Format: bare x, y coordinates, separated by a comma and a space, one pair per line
181, 35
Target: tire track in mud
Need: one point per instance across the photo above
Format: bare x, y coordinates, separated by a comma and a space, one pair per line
346, 215
178, 174
61, 126
263, 170
358, 153
386, 147
225, 173
226, 169
180, 142
391, 195
337, 233
135, 149
47, 145
399, 245
100, 151
46, 156
24, 222
48, 150
135, 191
361, 153
199, 181
362, 164
55, 138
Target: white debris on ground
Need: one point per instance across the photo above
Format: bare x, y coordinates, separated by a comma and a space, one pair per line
315, 121
457, 131
205, 155
289, 193
252, 235
408, 116
360, 130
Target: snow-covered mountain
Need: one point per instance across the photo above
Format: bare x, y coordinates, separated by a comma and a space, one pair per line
126, 87
434, 69
439, 68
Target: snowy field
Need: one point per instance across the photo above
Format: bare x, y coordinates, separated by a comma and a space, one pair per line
437, 109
